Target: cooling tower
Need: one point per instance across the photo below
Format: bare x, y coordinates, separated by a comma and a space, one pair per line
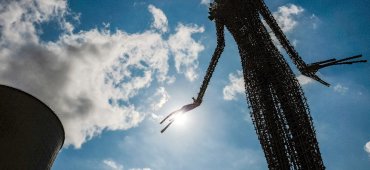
31, 135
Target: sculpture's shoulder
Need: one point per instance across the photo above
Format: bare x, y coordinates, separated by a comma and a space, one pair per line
229, 9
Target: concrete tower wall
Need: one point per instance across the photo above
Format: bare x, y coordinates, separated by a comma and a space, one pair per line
31, 135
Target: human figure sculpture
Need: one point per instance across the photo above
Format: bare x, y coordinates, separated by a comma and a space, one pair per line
279, 110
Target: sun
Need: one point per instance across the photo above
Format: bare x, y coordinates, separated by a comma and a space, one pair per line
180, 119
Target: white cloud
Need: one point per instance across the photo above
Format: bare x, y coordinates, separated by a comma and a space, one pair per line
340, 89
88, 78
303, 80
186, 50
314, 21
113, 165
205, 2
285, 16
18, 17
160, 19
235, 87
159, 98
367, 147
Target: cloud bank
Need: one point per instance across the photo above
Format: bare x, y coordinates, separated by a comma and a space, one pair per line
90, 78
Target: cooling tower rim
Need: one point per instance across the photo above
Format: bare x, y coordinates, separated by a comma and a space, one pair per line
52, 111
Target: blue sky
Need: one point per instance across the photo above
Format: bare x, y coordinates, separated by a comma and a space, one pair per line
112, 69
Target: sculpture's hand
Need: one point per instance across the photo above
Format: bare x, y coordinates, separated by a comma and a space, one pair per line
312, 74
190, 106
311, 69
183, 110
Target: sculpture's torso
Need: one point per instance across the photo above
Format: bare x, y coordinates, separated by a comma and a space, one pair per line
278, 107
242, 19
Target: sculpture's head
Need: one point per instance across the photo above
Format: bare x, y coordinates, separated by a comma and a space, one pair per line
224, 6
212, 10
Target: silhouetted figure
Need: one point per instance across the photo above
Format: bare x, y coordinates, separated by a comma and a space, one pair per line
279, 110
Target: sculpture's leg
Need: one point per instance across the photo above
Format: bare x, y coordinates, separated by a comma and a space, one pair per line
297, 116
265, 117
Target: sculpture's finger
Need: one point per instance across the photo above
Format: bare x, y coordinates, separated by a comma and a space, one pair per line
169, 115
164, 129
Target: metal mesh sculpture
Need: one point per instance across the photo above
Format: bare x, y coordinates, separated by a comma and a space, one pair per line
279, 110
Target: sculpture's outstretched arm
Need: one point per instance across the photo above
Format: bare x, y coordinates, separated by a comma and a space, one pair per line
314, 67
212, 65
293, 54
270, 20
216, 55
307, 70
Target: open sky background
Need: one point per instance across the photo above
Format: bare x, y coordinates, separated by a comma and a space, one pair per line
112, 69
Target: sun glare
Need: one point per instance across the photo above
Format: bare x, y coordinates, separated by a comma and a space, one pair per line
181, 119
